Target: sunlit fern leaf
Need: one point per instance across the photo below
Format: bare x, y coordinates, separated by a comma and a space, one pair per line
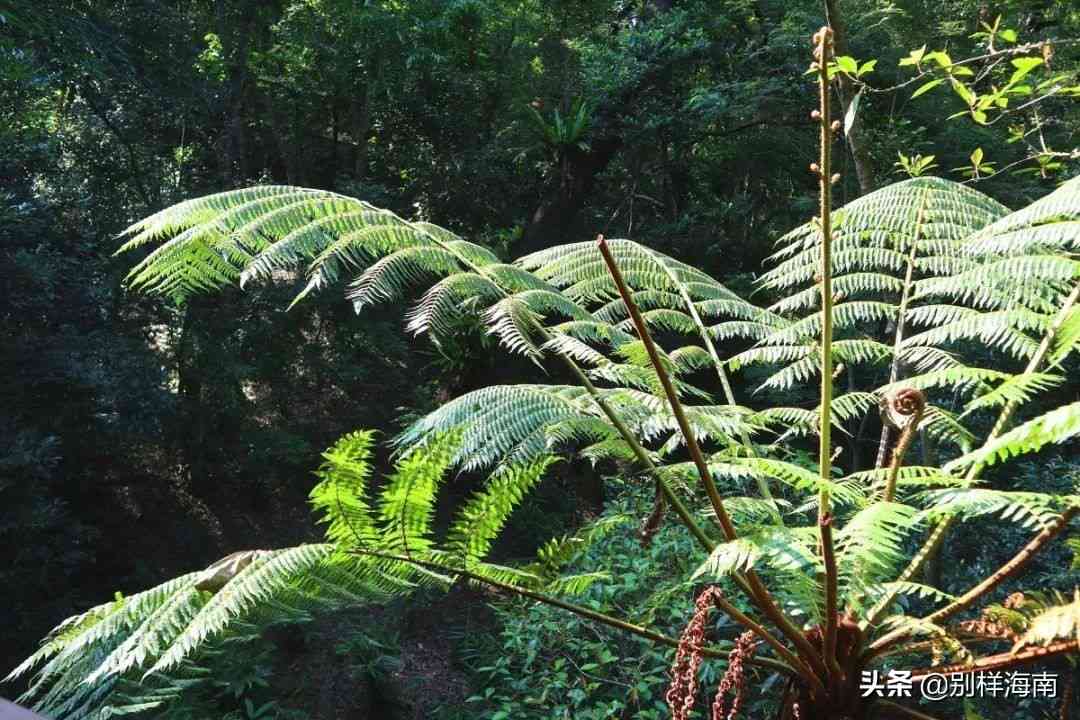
928, 209
677, 295
1056, 426
78, 635
800, 422
516, 326
340, 492
802, 479
219, 236
845, 315
389, 278
747, 512
1016, 389
485, 514
330, 238
1008, 276
83, 661
495, 421
440, 307
870, 545
720, 424
1029, 509
923, 359
407, 504
805, 361
275, 573
966, 380
1050, 223
783, 549
870, 595
348, 253
942, 426
230, 209
561, 551
1004, 331
875, 285
1067, 338
568, 266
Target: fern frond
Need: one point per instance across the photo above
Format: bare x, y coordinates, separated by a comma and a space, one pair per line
1030, 509
407, 505
1052, 223
484, 515
339, 495
784, 549
1056, 426
1017, 389
870, 545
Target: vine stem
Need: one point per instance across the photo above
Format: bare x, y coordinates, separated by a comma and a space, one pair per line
938, 534
579, 610
823, 55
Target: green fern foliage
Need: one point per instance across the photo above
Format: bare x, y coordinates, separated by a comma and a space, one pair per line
937, 287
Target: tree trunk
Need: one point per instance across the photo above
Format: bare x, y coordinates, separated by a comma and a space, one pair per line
557, 213
235, 43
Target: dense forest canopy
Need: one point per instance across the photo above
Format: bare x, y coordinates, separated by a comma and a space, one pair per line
356, 239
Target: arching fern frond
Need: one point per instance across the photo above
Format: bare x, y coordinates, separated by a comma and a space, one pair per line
1056, 426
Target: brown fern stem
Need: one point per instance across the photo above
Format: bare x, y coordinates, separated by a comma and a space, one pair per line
1001, 660
823, 54
829, 639
779, 648
756, 589
1006, 571
677, 409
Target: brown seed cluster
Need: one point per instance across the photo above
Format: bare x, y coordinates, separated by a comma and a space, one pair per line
684, 684
734, 680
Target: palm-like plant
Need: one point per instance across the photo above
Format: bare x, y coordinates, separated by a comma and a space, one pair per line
895, 287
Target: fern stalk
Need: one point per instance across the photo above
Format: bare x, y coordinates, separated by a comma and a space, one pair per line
725, 384
825, 180
757, 590
735, 614
628, 437
1001, 660
1006, 571
677, 409
579, 610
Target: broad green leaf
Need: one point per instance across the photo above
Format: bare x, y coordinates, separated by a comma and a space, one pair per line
1024, 65
927, 87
